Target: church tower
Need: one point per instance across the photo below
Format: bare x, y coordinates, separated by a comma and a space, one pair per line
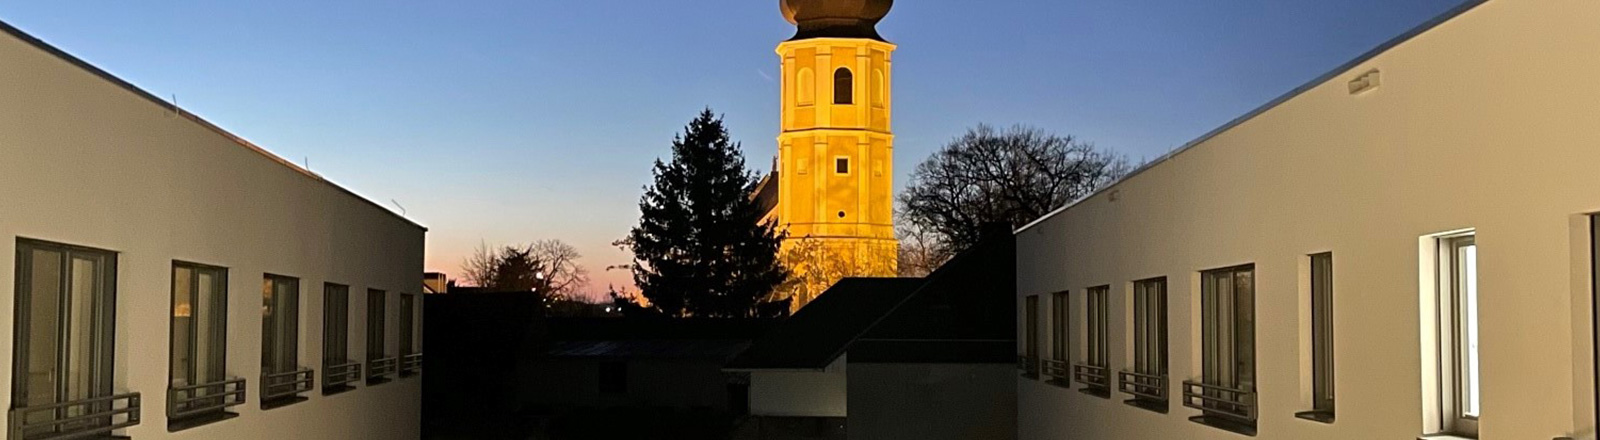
834, 186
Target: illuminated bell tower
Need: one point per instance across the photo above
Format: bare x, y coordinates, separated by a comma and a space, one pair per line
836, 150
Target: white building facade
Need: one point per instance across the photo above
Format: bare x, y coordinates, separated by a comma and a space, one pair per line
164, 279
1401, 249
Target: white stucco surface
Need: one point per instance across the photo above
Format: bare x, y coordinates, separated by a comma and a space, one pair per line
86, 162
1489, 121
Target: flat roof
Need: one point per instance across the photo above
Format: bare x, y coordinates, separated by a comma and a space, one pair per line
1429, 25
13, 31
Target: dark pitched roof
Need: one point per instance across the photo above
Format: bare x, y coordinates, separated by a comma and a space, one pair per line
766, 193
823, 329
964, 313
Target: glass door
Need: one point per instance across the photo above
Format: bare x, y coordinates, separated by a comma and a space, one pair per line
64, 336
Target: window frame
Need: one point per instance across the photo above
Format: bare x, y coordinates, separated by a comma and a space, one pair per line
102, 356
221, 391
1097, 336
1454, 386
1321, 291
336, 315
379, 364
845, 161
1228, 391
1061, 333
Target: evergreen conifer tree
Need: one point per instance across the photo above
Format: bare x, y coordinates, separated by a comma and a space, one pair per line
700, 248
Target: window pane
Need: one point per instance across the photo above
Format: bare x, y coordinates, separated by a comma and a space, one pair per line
210, 316
83, 290
407, 315
44, 318
1469, 293
1322, 331
182, 322
1244, 329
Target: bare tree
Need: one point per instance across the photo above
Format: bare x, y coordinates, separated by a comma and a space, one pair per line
556, 262
478, 268
567, 278
921, 252
1013, 177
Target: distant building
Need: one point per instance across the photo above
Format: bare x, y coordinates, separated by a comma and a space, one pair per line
435, 282
1403, 248
832, 187
163, 278
925, 358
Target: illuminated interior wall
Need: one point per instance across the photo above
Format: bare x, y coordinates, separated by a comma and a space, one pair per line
1489, 121
87, 162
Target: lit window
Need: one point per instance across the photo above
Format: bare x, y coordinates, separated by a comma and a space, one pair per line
1226, 393
200, 388
844, 87
1148, 380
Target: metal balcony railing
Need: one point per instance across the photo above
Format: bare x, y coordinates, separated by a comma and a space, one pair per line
1143, 386
279, 385
1094, 378
1058, 372
1230, 403
378, 368
75, 419
1029, 365
411, 363
341, 374
204, 398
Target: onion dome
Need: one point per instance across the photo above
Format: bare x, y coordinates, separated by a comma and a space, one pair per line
835, 18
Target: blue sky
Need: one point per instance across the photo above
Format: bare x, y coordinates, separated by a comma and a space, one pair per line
505, 121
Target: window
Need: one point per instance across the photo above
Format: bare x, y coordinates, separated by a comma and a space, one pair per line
408, 316
63, 346
200, 390
805, 87
1094, 373
379, 364
841, 165
1148, 380
1321, 340
338, 371
1060, 343
613, 377
844, 88
1029, 361
1226, 394
1460, 386
282, 378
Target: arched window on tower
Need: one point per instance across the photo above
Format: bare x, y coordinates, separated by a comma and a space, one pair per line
844, 86
805, 91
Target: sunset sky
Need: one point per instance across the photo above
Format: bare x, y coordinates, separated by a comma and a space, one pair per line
505, 121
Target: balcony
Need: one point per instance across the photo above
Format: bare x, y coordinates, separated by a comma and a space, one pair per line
1058, 373
76, 419
280, 389
1096, 379
411, 364
1222, 407
379, 370
1149, 391
1029, 366
340, 377
195, 405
